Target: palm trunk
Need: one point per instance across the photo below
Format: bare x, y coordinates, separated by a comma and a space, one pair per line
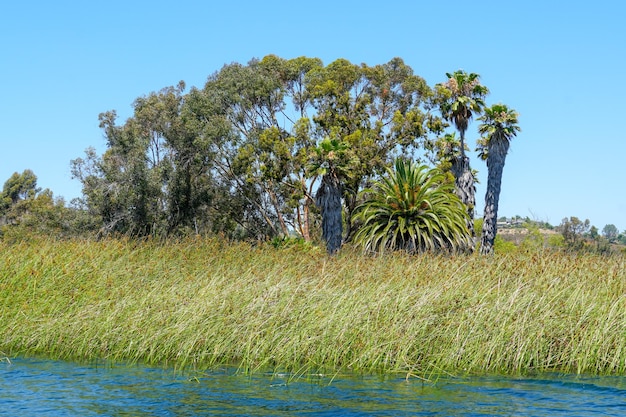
495, 166
328, 198
464, 185
465, 189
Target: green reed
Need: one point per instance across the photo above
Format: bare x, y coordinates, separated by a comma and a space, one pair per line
199, 303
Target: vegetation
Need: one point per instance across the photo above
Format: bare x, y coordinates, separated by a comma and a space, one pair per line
196, 241
199, 303
332, 157
241, 156
460, 98
415, 210
27, 210
499, 126
276, 150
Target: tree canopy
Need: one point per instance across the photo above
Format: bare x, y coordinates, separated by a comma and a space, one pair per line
244, 154
279, 148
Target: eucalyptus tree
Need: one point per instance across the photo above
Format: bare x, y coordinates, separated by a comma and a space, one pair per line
499, 126
116, 185
443, 151
18, 187
189, 179
372, 114
162, 136
127, 187
234, 157
462, 97
26, 210
574, 231
610, 232
413, 208
265, 157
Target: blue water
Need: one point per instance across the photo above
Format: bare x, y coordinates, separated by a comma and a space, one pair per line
32, 387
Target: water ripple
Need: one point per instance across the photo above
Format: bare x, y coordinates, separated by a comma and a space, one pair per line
33, 387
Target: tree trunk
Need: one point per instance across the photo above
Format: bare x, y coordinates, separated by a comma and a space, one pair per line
279, 214
465, 189
304, 211
303, 218
495, 165
328, 198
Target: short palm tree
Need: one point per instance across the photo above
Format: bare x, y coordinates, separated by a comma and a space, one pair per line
328, 198
414, 209
330, 160
499, 126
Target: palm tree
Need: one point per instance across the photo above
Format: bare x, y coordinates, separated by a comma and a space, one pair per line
499, 126
414, 209
328, 199
462, 97
331, 159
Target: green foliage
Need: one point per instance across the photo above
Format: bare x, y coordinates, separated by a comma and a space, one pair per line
294, 243
379, 112
534, 240
499, 126
556, 241
234, 157
264, 104
127, 188
610, 232
27, 211
460, 98
332, 156
196, 304
573, 230
503, 246
444, 151
414, 209
17, 188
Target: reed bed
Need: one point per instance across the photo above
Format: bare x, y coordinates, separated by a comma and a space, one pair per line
200, 303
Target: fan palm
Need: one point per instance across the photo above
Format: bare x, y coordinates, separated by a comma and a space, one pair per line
415, 209
328, 198
499, 126
463, 96
330, 160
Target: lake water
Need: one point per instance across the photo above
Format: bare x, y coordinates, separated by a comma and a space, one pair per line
34, 387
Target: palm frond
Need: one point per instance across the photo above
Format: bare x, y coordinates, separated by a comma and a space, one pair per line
414, 209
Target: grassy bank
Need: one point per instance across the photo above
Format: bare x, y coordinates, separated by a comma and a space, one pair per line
199, 303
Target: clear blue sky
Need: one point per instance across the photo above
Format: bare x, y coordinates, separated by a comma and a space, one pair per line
560, 64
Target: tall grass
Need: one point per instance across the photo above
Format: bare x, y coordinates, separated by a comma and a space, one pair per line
200, 303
